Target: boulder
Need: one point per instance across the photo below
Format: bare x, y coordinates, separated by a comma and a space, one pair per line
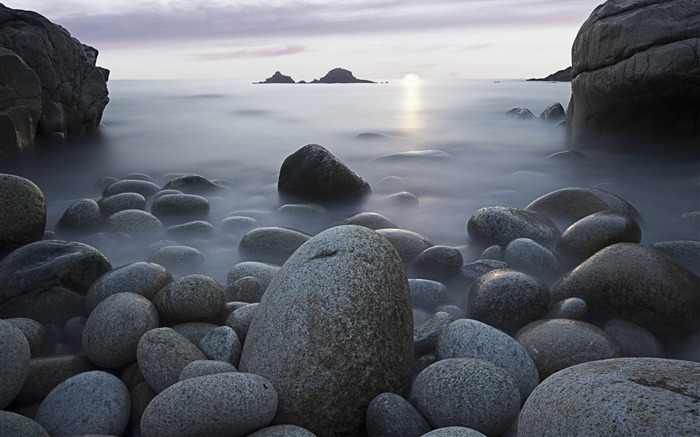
390, 415
205, 367
144, 278
82, 216
625, 396
23, 212
553, 113
595, 232
34, 332
271, 244
20, 104
408, 244
73, 90
232, 404
133, 222
312, 173
13, 424
121, 201
334, 330
503, 224
14, 362
45, 373
637, 84
636, 283
568, 205
180, 207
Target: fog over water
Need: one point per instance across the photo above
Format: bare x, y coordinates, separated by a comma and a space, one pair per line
241, 133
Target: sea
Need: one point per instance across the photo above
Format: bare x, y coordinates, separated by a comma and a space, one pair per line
466, 153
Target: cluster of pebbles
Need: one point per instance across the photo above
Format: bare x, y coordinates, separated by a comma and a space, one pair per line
361, 328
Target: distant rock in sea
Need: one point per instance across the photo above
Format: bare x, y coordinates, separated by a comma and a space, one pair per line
49, 84
278, 78
560, 76
340, 75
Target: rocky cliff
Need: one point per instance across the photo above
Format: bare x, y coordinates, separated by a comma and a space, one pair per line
49, 82
560, 76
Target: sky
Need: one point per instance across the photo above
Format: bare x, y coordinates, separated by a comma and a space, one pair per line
375, 39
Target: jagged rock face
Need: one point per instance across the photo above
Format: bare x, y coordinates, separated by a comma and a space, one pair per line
636, 71
20, 102
73, 88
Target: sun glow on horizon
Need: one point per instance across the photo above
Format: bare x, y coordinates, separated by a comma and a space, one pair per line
411, 80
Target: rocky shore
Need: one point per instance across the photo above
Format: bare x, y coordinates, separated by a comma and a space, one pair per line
334, 323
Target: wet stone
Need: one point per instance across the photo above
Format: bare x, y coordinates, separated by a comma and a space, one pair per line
501, 225
144, 188
82, 216
271, 244
180, 208
634, 340
133, 221
120, 202
238, 225
247, 289
439, 263
370, 220
144, 278
570, 308
595, 232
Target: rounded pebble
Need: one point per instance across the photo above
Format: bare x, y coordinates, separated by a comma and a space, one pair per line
407, 243
271, 244
13, 424
132, 221
34, 332
427, 294
82, 216
189, 299
595, 232
238, 225
222, 344
264, 272
371, 220
23, 213
502, 224
14, 361
177, 258
205, 367
120, 202
528, 256
390, 415
570, 308
144, 278
634, 340
247, 289
144, 188
439, 263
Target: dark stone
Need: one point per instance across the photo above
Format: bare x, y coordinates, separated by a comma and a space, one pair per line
560, 76
339, 75
278, 78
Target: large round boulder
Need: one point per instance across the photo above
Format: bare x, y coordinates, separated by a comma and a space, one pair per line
638, 84
313, 173
232, 404
634, 282
334, 330
625, 396
23, 213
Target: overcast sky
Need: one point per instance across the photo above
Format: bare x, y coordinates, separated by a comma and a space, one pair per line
376, 39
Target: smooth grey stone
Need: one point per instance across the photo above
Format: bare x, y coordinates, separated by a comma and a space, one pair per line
14, 361
568, 205
454, 431
422, 363
553, 113
282, 431
570, 308
232, 404
521, 114
132, 221
73, 330
194, 331
177, 258
626, 396
90, 402
271, 244
691, 219
158, 195
494, 252
247, 289
82, 216
472, 271
453, 310
141, 395
427, 294
240, 319
144, 188
404, 199
222, 344
390, 415
502, 224
414, 155
193, 184
51, 305
191, 298
13, 424
634, 340
370, 220
205, 367
303, 216
45, 373
264, 272
138, 177
120, 202
34, 332
312, 173
180, 207
195, 229
23, 215
44, 264
595, 232
390, 183
636, 86
343, 350
114, 328
684, 252
439, 263
162, 353
528, 256
238, 225
466, 392
407, 243
144, 278
425, 336
466, 338
507, 299
556, 344
636, 283
104, 182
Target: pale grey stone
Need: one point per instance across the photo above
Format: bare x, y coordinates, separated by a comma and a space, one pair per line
241, 318
81, 216
144, 188
222, 344
162, 353
454, 431
341, 349
404, 199
390, 415
14, 362
595, 232
13, 424
205, 367
556, 344
570, 308
502, 224
192, 298
195, 229
466, 338
34, 332
370, 220
265, 272
120, 202
232, 404
177, 258
133, 221
194, 331
494, 252
528, 256
238, 225
23, 215
467, 392
628, 396
427, 294
634, 340
246, 289
90, 402
144, 278
114, 328
271, 244
407, 243
282, 431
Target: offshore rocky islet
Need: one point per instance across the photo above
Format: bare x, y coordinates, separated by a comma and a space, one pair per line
190, 307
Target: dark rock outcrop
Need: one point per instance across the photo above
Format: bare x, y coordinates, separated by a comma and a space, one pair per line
73, 90
340, 75
278, 78
560, 76
644, 85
